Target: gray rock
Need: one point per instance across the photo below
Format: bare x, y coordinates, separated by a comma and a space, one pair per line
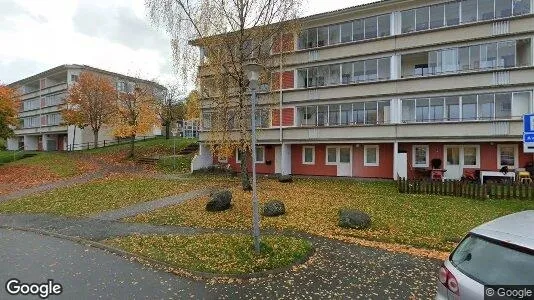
285, 178
273, 208
219, 201
354, 219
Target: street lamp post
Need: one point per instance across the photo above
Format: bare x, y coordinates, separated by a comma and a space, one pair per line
252, 71
174, 132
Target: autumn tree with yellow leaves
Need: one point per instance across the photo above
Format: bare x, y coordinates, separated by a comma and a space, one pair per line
230, 34
9, 107
192, 106
91, 101
137, 113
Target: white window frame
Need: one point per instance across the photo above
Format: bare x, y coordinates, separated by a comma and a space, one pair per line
237, 160
377, 149
462, 158
427, 155
304, 162
516, 155
326, 156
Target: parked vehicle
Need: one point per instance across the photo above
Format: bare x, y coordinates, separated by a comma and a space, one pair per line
500, 252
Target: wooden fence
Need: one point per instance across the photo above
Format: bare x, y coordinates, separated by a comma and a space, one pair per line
514, 190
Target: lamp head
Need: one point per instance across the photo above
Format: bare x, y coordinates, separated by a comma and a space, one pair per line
252, 70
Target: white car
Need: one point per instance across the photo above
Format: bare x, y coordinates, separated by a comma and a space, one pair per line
500, 252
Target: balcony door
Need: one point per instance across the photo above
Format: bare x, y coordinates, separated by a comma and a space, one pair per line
341, 157
452, 162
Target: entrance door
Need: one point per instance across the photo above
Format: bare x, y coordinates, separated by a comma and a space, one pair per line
278, 160
344, 164
452, 163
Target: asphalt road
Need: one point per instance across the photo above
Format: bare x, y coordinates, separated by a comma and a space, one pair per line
338, 271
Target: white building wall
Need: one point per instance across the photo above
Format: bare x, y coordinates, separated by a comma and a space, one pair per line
31, 142
12, 144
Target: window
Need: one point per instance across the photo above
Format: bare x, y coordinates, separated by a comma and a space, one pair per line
506, 54
436, 110
422, 18
452, 108
433, 66
312, 38
485, 106
486, 9
312, 77
358, 30
469, 108
331, 155
452, 13
463, 58
408, 110
74, 78
333, 115
503, 106
370, 113
469, 11
437, 16
322, 115
346, 32
238, 156
421, 110
346, 73
323, 74
383, 112
474, 57
488, 56
206, 121
476, 254
449, 60
371, 69
346, 111
384, 67
121, 86
344, 155
334, 74
322, 36
302, 41
359, 71
371, 156
358, 113
384, 25
260, 154
370, 27
302, 81
521, 7
471, 156
507, 156
308, 155
408, 21
333, 34
503, 8
307, 115
420, 156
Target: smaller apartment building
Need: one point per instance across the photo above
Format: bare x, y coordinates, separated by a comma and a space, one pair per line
381, 89
41, 126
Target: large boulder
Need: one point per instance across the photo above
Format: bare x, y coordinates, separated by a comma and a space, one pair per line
273, 208
354, 219
219, 201
285, 178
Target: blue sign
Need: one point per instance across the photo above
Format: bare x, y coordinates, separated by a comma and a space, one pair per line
528, 123
528, 138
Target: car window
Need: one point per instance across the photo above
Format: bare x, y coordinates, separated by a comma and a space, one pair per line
489, 262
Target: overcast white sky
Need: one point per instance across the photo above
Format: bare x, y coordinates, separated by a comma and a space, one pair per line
114, 35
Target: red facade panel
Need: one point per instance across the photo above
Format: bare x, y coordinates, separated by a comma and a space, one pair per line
288, 78
285, 43
288, 116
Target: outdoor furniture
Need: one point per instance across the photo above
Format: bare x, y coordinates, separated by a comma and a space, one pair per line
437, 174
510, 175
524, 177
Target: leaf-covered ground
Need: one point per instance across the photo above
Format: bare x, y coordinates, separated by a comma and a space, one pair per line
111, 192
217, 253
312, 205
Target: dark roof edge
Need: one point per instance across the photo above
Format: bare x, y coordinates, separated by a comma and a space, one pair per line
85, 67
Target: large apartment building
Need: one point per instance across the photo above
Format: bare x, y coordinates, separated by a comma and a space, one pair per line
41, 127
380, 90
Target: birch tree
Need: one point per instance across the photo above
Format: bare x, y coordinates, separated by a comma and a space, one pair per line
229, 34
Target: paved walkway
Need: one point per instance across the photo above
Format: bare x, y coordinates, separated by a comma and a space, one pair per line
338, 270
149, 206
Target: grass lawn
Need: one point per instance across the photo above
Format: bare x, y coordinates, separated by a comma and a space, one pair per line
151, 146
180, 164
61, 164
100, 195
216, 253
312, 205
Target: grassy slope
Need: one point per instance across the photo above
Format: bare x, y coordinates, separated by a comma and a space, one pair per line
312, 205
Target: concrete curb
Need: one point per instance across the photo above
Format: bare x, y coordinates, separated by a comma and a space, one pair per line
196, 275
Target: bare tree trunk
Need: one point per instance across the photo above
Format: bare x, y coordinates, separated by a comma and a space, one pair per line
95, 138
167, 130
245, 180
132, 149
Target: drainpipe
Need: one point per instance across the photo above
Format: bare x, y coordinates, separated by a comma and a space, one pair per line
280, 97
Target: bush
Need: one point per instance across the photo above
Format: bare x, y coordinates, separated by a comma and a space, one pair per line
216, 169
220, 201
273, 208
354, 219
285, 178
